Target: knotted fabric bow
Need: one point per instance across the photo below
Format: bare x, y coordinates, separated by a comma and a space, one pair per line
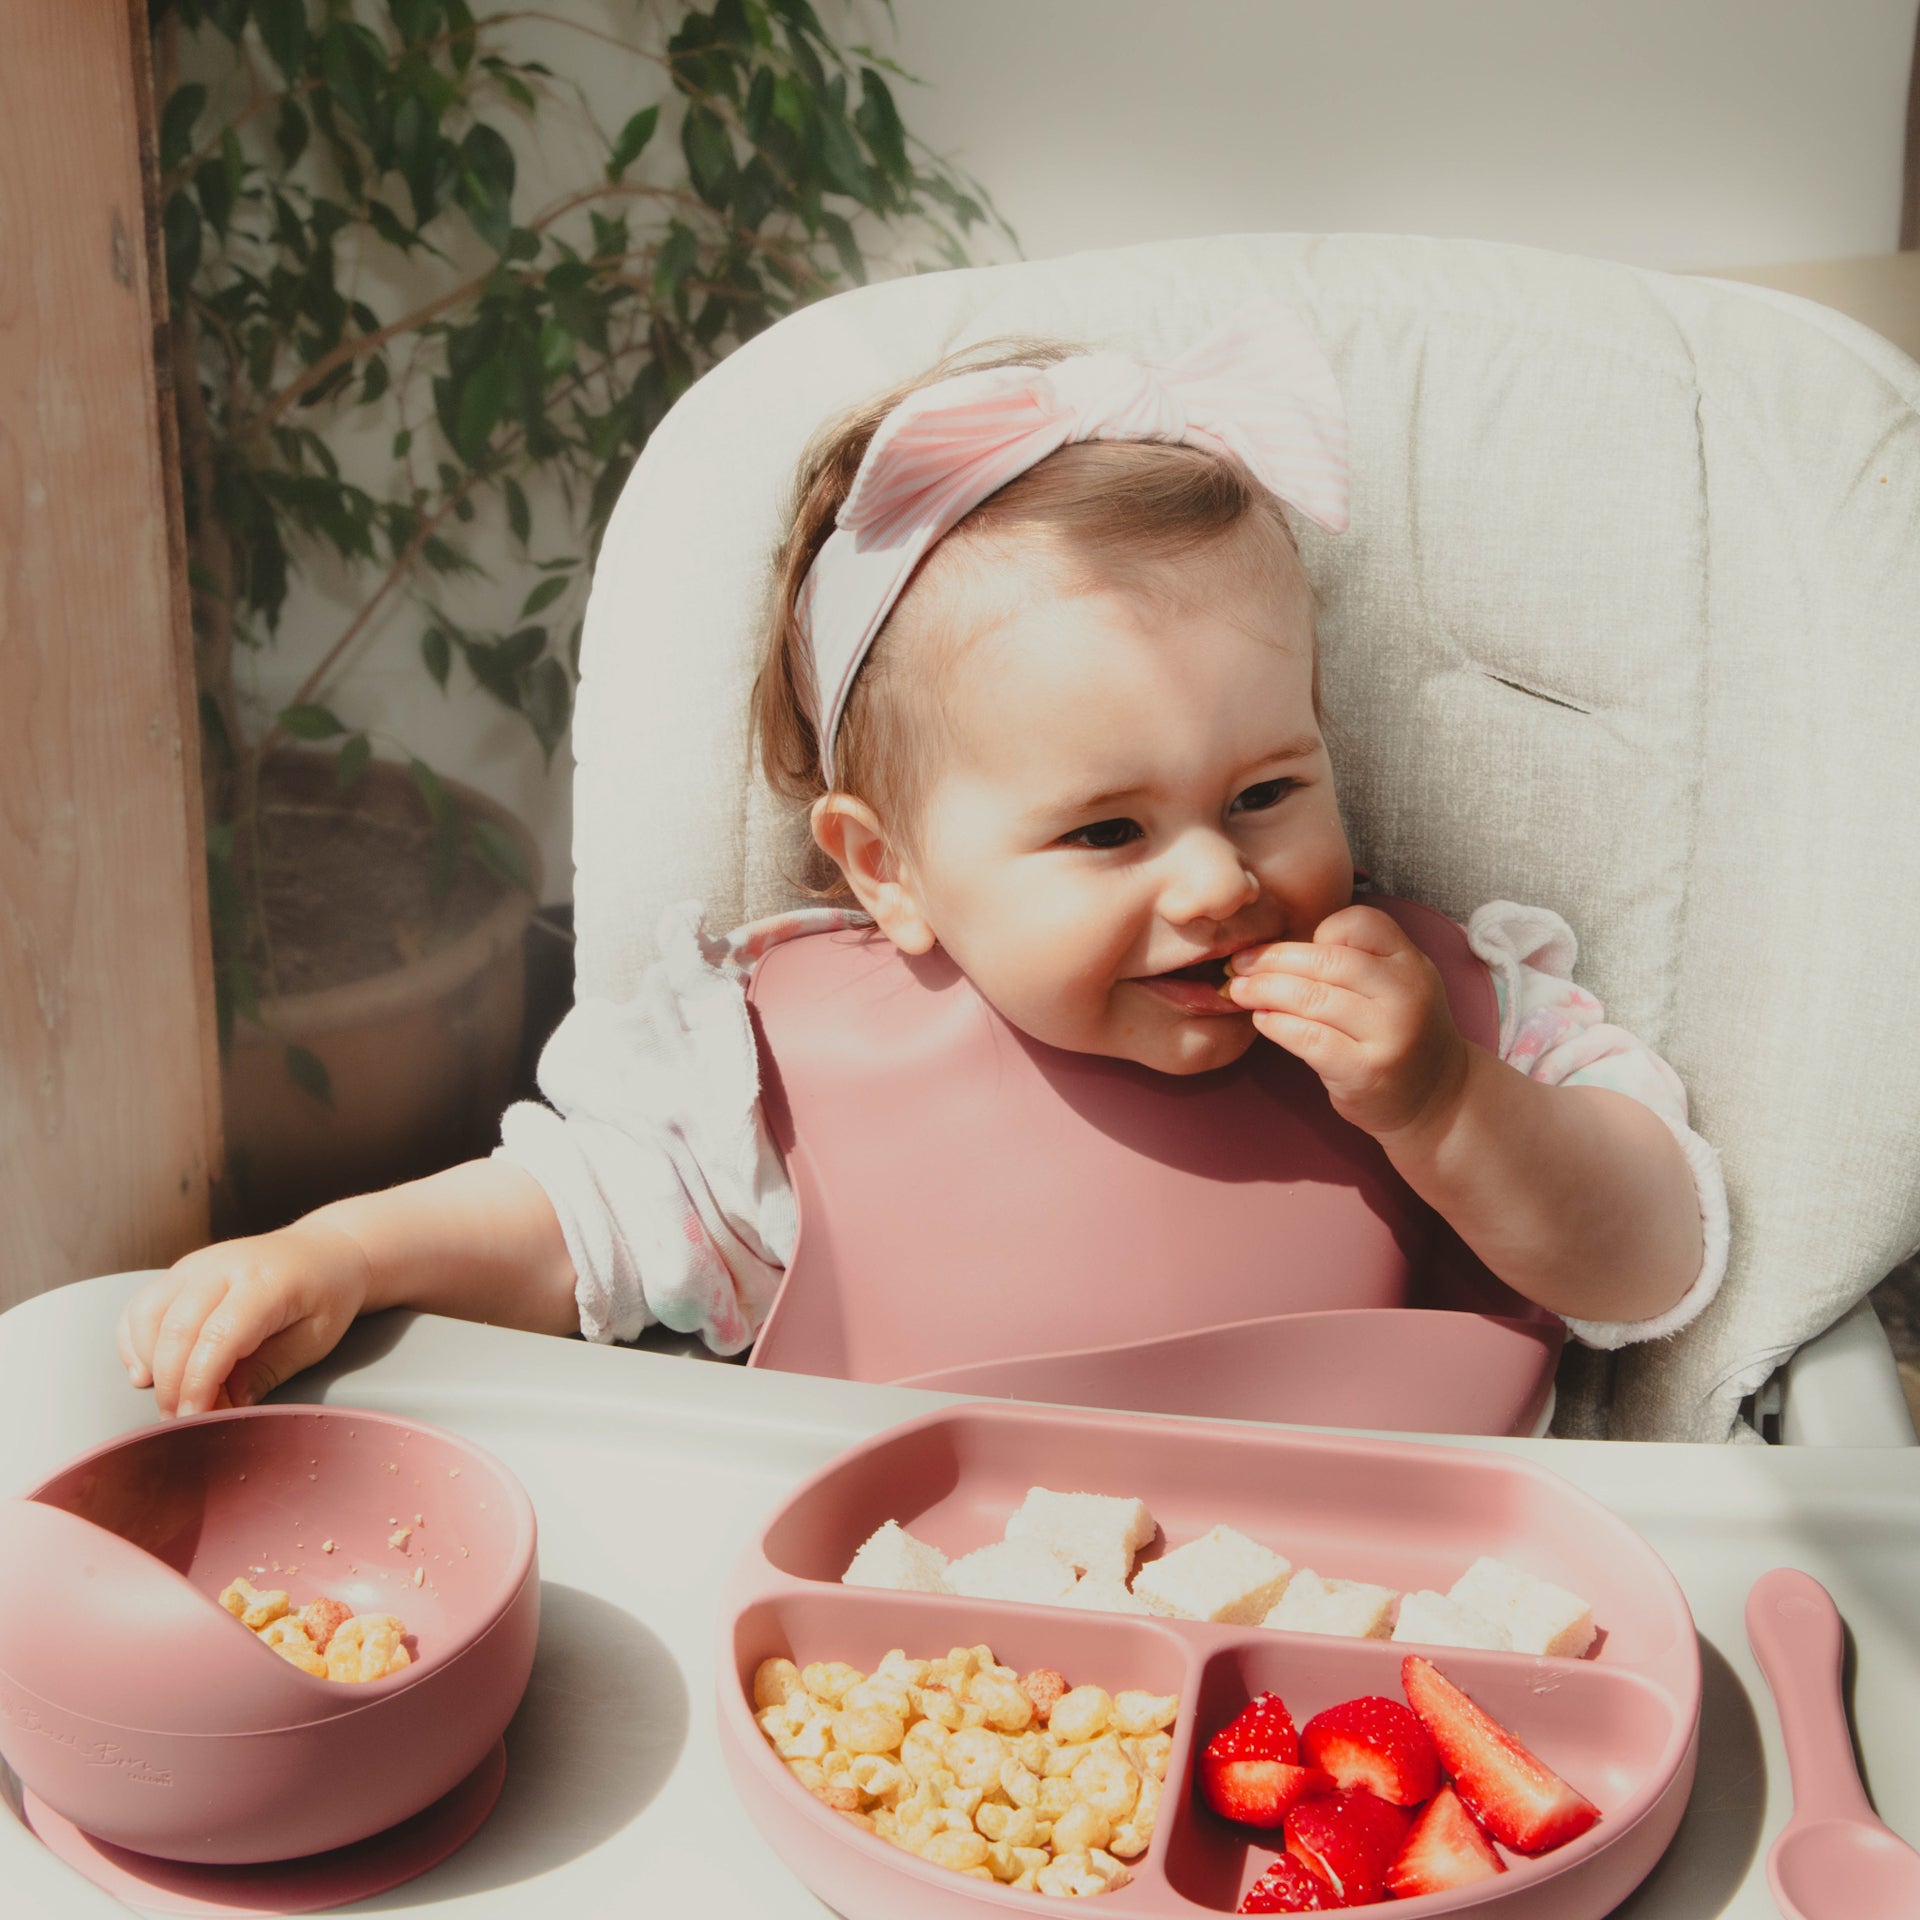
1260, 390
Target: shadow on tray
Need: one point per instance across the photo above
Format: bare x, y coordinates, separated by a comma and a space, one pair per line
602, 1726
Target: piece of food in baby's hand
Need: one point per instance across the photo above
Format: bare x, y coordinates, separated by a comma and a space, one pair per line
1538, 1617
1222, 1576
1350, 1608
1434, 1620
1098, 1533
891, 1558
1013, 1570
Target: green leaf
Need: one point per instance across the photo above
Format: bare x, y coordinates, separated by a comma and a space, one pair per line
417, 144
556, 349
310, 722
283, 26
709, 152
214, 185
437, 651
416, 19
847, 172
291, 133
432, 791
374, 382
389, 226
544, 595
759, 105
845, 245
549, 704
482, 401
176, 124
879, 122
181, 225
632, 142
401, 442
675, 260
501, 854
519, 515
485, 189
309, 1073
354, 757
460, 24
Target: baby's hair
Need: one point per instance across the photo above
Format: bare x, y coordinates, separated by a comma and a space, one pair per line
1108, 513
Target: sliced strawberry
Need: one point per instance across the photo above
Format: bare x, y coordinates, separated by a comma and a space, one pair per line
1517, 1797
1349, 1839
1288, 1887
1263, 1730
1445, 1850
1257, 1793
1377, 1744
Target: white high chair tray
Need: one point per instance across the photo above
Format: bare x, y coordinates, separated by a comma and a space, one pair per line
650, 1471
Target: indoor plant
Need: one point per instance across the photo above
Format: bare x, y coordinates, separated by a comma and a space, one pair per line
513, 367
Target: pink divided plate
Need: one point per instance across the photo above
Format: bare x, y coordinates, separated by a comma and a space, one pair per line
1621, 1725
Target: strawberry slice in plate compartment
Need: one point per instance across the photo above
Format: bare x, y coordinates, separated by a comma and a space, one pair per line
1600, 1732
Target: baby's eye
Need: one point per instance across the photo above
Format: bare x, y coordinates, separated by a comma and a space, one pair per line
1269, 793
1103, 835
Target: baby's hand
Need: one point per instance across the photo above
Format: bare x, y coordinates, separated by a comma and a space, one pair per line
1366, 1010
227, 1324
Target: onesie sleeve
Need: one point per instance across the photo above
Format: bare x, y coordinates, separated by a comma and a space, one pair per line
653, 1148
1558, 1033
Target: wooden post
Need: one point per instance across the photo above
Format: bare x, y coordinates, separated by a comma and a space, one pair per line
109, 1087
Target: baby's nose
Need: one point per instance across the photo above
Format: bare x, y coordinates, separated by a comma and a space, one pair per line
1206, 879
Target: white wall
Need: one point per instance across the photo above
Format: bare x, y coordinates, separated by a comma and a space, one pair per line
1681, 134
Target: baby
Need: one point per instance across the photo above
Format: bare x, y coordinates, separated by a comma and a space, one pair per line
1043, 672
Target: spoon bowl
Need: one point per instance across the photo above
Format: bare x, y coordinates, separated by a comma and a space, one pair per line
1835, 1859
1844, 1868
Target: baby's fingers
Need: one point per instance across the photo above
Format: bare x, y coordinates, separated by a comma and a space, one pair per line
177, 1337
252, 1311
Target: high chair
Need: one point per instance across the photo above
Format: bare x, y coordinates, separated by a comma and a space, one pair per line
1627, 624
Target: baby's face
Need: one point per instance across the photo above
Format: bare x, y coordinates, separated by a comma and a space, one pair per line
1135, 788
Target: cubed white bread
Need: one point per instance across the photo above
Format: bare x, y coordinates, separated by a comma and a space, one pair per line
1095, 1593
1097, 1532
1348, 1607
892, 1558
1538, 1616
1222, 1576
1436, 1621
1012, 1570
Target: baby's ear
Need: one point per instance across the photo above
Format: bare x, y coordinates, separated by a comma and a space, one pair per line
849, 833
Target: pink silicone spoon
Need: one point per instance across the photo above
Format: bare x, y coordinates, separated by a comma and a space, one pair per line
1834, 1860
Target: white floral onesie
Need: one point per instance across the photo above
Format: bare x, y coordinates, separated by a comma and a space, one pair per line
675, 1204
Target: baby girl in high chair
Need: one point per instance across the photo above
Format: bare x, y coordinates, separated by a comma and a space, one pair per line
1043, 669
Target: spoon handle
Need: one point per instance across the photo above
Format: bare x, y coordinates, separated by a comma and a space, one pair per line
1794, 1630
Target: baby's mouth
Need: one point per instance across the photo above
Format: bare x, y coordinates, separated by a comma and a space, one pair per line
1206, 973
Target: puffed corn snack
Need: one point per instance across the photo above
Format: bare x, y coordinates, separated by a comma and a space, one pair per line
322, 1638
1022, 1780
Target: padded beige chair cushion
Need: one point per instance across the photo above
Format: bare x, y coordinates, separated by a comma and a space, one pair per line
1627, 624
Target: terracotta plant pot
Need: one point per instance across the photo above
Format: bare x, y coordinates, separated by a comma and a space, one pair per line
420, 1057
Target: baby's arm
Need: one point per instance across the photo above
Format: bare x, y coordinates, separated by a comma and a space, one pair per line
229, 1323
1578, 1197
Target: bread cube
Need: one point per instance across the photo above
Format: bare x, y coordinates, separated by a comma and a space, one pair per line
1097, 1532
1350, 1608
1012, 1570
1095, 1593
1538, 1616
892, 1558
1223, 1576
1433, 1620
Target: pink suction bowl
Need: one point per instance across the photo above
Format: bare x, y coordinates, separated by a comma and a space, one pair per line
135, 1707
1622, 1725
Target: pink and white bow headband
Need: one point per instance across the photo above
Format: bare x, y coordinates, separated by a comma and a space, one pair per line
1259, 390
